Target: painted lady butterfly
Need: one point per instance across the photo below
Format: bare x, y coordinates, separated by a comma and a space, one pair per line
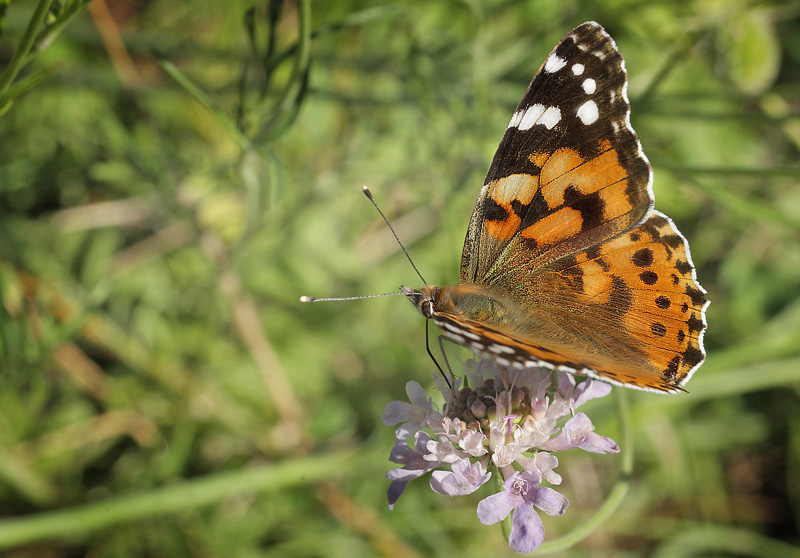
566, 265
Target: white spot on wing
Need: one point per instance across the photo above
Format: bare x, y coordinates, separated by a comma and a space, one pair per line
531, 116
515, 119
589, 86
551, 117
470, 335
536, 114
554, 63
577, 69
501, 349
588, 112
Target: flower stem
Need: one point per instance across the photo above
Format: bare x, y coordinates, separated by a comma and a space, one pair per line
616, 495
499, 479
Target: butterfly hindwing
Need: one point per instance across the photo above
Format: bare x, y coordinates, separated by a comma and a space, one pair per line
638, 289
569, 171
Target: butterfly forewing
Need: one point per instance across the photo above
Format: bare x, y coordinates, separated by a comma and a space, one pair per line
569, 171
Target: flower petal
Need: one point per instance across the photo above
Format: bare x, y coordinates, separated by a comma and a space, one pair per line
543, 463
595, 443
404, 475
396, 489
527, 530
590, 389
396, 412
550, 501
452, 484
466, 478
416, 394
495, 508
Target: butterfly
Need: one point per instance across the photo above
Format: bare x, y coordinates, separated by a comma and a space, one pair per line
566, 265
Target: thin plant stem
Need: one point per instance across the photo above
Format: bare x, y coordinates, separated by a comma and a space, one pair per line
616, 495
295, 84
20, 56
52, 30
206, 101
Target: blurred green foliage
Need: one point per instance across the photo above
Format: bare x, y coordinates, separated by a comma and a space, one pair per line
174, 175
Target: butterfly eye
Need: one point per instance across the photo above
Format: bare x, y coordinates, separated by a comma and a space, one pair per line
427, 308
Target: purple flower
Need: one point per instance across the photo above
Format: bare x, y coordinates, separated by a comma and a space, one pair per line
414, 465
509, 417
521, 495
415, 415
585, 391
578, 432
542, 463
466, 478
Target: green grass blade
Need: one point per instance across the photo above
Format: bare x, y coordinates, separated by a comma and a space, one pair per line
20, 57
213, 489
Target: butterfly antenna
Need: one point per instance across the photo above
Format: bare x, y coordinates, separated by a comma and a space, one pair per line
372, 199
315, 299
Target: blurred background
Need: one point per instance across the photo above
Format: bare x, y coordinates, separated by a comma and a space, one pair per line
174, 175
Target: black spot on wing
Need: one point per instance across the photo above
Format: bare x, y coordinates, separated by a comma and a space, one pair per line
683, 267
672, 240
696, 295
663, 302
512, 156
642, 258
529, 243
695, 324
692, 356
658, 329
648, 277
492, 211
519, 208
660, 222
649, 227
591, 206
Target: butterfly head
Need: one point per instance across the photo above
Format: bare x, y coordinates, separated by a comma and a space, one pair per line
424, 299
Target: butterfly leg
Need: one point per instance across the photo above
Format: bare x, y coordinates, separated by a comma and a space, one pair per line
442, 338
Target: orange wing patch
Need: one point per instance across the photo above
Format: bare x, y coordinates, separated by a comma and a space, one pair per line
565, 168
645, 278
565, 175
562, 224
504, 192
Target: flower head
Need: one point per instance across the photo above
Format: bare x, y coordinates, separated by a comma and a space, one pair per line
503, 421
